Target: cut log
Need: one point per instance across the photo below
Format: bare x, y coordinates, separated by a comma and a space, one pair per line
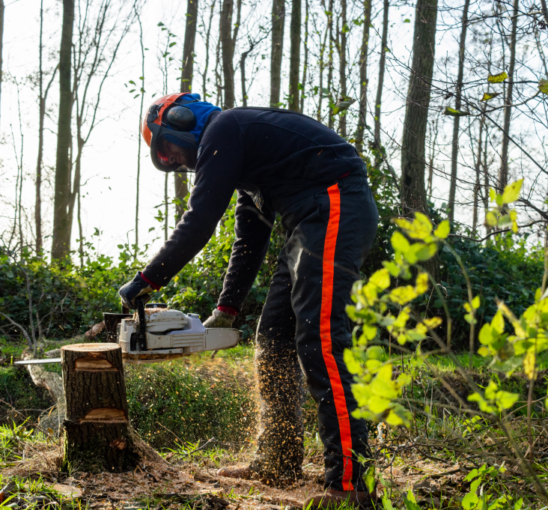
98, 436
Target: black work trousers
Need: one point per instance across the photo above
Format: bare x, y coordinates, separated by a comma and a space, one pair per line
304, 329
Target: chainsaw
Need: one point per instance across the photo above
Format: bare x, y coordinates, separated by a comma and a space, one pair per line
156, 333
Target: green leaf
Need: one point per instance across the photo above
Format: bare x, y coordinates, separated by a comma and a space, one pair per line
370, 479
487, 96
443, 230
543, 86
506, 400
497, 78
407, 20
455, 113
399, 242
492, 195
471, 499
511, 192
476, 303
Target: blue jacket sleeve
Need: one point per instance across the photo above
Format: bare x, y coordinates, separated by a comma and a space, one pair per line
252, 229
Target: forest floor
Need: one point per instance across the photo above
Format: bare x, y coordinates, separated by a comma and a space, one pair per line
199, 413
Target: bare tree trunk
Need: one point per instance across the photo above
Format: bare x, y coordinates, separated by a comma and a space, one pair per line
433, 137
503, 171
331, 118
382, 64
456, 120
294, 55
227, 46
320, 71
477, 184
362, 109
207, 39
305, 66
416, 114
342, 66
485, 167
276, 52
181, 178
139, 141
188, 48
2, 8
41, 116
61, 221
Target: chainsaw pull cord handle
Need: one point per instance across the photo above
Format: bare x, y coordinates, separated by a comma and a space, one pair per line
142, 324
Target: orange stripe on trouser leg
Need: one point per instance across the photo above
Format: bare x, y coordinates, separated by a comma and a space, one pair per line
325, 333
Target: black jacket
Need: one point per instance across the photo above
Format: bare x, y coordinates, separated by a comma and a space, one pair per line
268, 156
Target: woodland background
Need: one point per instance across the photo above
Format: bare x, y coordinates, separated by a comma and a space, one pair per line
442, 99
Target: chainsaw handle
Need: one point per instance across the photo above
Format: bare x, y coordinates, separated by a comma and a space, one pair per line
142, 324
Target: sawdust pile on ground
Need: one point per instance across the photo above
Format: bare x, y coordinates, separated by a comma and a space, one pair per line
158, 486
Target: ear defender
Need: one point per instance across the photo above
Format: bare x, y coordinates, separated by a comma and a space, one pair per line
181, 118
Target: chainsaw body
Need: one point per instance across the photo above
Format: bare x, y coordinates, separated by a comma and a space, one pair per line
170, 334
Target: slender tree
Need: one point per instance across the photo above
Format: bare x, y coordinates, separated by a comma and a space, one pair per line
294, 55
323, 44
382, 64
305, 64
181, 178
228, 45
276, 52
503, 170
207, 46
2, 8
362, 106
139, 140
342, 48
331, 117
61, 218
456, 120
416, 113
42, 97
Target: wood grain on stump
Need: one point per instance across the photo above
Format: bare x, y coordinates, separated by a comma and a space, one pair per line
98, 436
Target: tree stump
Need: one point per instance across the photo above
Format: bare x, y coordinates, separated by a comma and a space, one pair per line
98, 436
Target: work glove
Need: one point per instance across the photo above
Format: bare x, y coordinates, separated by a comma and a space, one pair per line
137, 287
219, 319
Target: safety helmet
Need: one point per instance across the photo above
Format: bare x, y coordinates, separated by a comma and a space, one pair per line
166, 116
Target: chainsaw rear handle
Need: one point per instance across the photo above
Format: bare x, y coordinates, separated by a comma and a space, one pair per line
142, 324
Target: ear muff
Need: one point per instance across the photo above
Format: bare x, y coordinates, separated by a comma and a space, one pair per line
181, 118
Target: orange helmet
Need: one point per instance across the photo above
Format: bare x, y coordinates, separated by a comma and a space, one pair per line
167, 116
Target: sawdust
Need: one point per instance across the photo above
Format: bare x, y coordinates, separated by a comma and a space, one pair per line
172, 485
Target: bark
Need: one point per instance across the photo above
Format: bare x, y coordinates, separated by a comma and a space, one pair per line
207, 40
456, 120
2, 7
61, 219
98, 436
416, 113
362, 108
294, 55
305, 66
41, 116
139, 138
278, 24
433, 137
503, 170
181, 178
382, 64
227, 47
189, 43
342, 66
477, 184
331, 120
320, 71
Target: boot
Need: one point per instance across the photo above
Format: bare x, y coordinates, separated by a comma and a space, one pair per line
332, 499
